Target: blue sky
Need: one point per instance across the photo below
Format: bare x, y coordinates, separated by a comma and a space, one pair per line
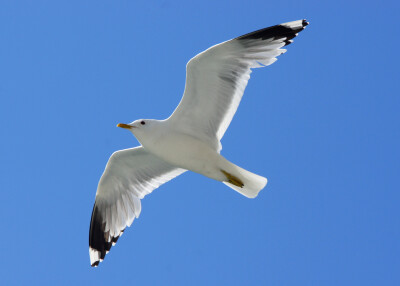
322, 124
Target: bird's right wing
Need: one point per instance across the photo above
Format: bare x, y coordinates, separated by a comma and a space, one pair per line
129, 175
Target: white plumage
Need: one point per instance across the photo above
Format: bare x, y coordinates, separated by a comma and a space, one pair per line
190, 138
129, 175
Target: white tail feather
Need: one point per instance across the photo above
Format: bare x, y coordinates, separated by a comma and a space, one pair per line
252, 183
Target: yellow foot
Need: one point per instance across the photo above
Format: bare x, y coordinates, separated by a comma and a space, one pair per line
232, 179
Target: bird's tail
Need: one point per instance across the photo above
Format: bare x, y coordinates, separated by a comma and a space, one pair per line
244, 182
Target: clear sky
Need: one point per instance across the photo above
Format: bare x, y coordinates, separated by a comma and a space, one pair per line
322, 124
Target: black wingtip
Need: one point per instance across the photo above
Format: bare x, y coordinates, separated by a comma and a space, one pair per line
97, 239
100, 240
287, 31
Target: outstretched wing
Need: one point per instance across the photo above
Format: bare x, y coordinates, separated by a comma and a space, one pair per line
217, 77
129, 175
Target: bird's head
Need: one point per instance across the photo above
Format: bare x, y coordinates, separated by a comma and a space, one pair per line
136, 125
140, 127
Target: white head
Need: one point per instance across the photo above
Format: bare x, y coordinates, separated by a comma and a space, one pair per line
140, 128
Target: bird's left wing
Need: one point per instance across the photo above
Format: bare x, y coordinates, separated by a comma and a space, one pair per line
129, 175
217, 77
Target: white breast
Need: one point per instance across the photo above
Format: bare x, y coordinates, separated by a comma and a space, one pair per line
185, 151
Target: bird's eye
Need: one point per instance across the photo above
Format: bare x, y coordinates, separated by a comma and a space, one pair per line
142, 122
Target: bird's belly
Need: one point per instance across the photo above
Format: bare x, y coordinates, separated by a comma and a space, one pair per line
189, 153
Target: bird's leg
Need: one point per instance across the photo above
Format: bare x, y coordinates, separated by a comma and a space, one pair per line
232, 179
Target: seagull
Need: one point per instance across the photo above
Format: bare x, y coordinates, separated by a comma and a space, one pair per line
190, 138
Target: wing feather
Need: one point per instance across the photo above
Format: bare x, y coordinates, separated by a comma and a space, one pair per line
129, 175
216, 80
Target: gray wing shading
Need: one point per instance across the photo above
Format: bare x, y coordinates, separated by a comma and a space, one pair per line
217, 78
129, 175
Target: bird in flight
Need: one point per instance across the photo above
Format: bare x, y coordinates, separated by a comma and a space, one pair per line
190, 138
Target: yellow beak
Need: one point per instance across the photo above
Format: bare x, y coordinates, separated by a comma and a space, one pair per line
123, 125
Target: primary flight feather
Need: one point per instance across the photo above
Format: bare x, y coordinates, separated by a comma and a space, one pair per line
190, 138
